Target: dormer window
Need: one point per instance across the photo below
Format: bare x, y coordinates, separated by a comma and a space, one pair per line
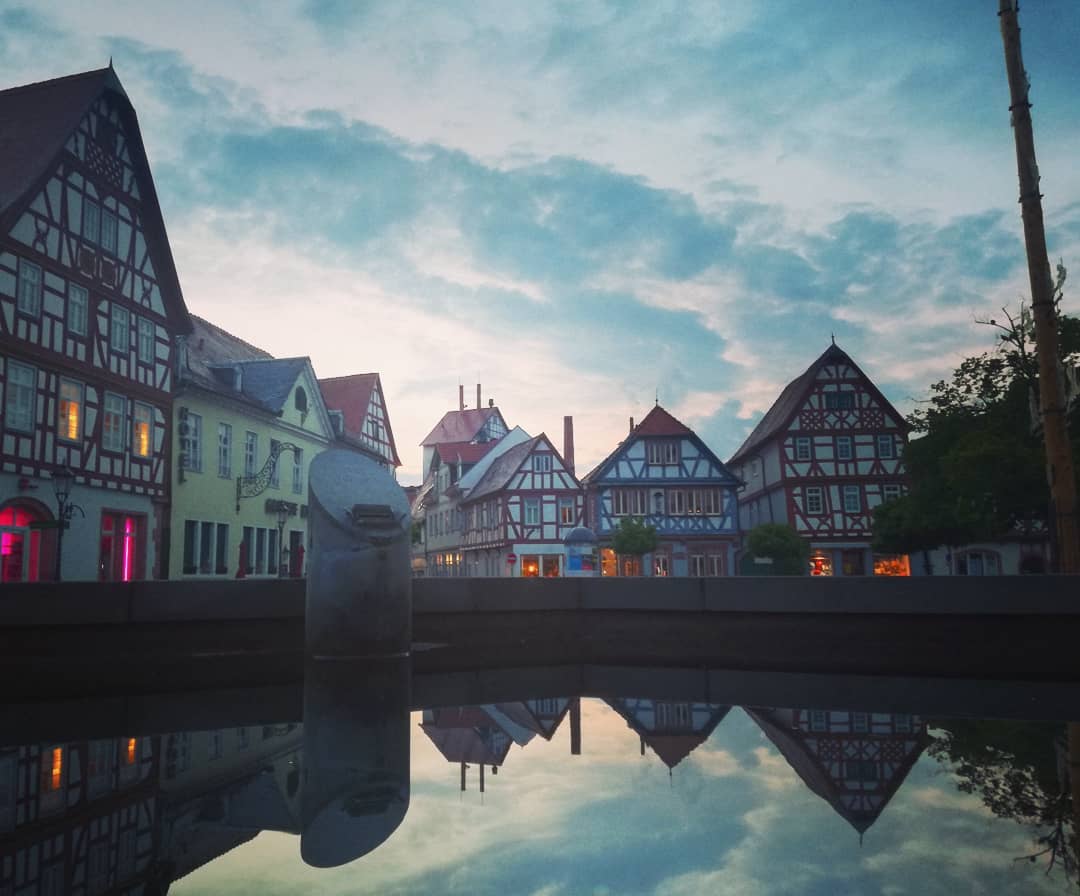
300, 400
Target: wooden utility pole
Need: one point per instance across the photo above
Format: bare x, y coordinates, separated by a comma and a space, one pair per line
1059, 464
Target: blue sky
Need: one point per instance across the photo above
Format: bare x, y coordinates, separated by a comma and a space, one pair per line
583, 205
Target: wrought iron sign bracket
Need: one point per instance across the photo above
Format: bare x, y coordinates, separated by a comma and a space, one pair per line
253, 486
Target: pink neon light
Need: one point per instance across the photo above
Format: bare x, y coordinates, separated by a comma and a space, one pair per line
5, 543
127, 559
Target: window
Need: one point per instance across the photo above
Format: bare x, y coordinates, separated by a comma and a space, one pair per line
716, 565
697, 565
77, 303
260, 551
844, 449
91, 217
145, 348
902, 723
676, 502
886, 446
140, 430
566, 511
860, 722
662, 452
890, 492
112, 423
541, 463
978, 563
839, 401
819, 720
206, 548
221, 549
108, 231
19, 397
273, 552
532, 511
97, 867
119, 328
803, 449
69, 416
298, 472
861, 770
29, 288
193, 454
224, 450
275, 470
628, 502
251, 450
815, 500
852, 502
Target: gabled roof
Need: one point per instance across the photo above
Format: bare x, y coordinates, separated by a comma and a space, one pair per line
351, 395
36, 121
778, 417
471, 477
503, 468
270, 381
657, 423
459, 426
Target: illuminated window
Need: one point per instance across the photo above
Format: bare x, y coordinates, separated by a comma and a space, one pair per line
19, 397
566, 511
29, 289
803, 449
69, 418
112, 422
77, 304
119, 328
844, 449
131, 750
530, 566
52, 770
145, 347
140, 430
662, 452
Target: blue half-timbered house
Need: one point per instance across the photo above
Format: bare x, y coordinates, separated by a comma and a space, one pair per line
667, 476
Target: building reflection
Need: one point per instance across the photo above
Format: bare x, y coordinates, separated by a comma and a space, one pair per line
855, 761
671, 729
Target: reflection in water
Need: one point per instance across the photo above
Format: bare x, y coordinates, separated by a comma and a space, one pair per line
136, 814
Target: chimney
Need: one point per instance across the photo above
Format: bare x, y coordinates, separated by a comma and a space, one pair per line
491, 402
568, 442
631, 424
478, 404
461, 396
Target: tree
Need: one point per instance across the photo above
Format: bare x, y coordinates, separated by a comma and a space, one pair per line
633, 537
790, 554
976, 464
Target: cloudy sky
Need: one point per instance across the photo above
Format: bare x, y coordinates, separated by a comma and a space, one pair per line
583, 205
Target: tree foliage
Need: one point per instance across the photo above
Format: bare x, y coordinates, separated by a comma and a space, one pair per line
1013, 768
789, 552
976, 461
633, 537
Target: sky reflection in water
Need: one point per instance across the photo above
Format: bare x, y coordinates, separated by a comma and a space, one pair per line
732, 817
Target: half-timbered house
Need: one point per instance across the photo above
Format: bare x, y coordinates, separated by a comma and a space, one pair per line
822, 458
90, 305
247, 428
855, 761
664, 474
360, 417
673, 730
516, 517
78, 817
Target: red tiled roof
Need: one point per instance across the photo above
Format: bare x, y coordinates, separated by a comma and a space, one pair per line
351, 395
459, 426
659, 422
464, 452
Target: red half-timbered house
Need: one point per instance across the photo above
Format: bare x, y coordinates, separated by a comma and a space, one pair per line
357, 408
516, 517
855, 761
90, 306
822, 458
